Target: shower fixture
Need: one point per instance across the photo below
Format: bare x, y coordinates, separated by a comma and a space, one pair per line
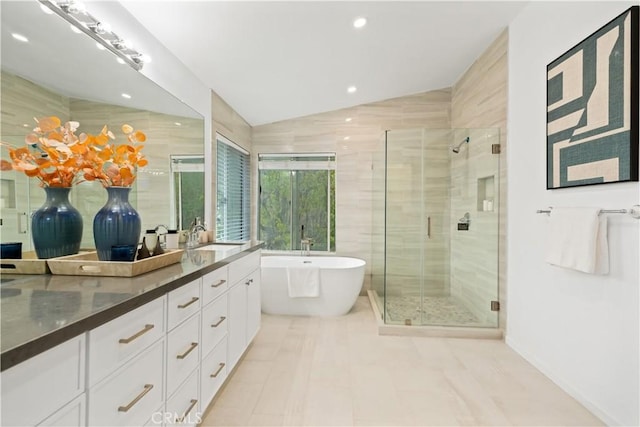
456, 149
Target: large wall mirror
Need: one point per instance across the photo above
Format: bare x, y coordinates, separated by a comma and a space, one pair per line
60, 72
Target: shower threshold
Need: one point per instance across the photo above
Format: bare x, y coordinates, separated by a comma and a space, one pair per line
431, 331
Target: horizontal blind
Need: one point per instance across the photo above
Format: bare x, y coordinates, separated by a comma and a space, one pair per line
233, 207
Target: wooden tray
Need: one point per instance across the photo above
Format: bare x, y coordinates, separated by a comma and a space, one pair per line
29, 264
87, 264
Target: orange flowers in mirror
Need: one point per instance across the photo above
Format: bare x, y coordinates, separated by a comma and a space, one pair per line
56, 156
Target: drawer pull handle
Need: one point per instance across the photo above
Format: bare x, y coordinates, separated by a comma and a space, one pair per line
220, 283
138, 334
187, 304
215, 374
193, 403
248, 282
222, 319
189, 350
147, 389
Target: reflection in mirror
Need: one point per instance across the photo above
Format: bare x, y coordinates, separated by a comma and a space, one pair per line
62, 73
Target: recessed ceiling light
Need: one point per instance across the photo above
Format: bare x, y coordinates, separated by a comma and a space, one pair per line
19, 37
46, 10
360, 22
346, 138
352, 89
75, 29
120, 60
178, 124
348, 119
126, 95
99, 46
25, 125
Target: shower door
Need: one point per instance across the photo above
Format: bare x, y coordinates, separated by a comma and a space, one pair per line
438, 272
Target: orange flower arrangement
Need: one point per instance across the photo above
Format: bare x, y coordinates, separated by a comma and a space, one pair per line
59, 158
53, 154
115, 165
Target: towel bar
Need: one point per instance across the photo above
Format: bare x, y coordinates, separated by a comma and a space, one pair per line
634, 211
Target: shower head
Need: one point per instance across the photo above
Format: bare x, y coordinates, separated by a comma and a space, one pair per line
456, 149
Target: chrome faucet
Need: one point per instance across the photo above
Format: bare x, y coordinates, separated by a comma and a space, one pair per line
196, 226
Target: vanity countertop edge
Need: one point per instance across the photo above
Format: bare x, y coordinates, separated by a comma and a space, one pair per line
142, 289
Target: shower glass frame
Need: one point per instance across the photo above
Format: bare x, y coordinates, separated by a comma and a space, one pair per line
450, 277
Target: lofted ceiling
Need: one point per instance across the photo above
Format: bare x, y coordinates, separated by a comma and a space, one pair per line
273, 61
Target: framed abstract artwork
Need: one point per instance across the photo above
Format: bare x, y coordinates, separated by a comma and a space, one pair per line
592, 108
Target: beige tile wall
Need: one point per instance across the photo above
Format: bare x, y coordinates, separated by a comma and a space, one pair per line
479, 100
358, 145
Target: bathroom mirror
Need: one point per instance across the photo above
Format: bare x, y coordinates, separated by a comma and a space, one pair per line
64, 73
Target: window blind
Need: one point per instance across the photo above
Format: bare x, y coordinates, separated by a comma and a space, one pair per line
233, 203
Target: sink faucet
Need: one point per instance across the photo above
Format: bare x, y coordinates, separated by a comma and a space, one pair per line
196, 226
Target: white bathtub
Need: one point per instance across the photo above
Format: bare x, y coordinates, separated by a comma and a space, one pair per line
340, 284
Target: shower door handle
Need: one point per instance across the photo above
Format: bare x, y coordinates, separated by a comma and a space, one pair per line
428, 227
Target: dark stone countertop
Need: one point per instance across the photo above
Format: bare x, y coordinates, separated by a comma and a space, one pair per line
39, 312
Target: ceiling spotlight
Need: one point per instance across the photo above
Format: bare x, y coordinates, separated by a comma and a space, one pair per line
19, 37
99, 46
348, 119
360, 22
346, 138
126, 95
352, 89
75, 29
120, 61
177, 124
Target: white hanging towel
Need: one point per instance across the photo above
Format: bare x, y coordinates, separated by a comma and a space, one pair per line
578, 240
303, 282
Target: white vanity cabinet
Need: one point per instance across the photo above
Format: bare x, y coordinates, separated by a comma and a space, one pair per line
36, 389
244, 305
160, 364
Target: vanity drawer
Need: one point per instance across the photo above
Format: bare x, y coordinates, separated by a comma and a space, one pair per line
242, 267
183, 408
36, 388
183, 352
130, 395
72, 415
213, 373
214, 284
183, 302
113, 343
215, 319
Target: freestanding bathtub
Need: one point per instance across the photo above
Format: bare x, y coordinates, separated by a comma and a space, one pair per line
340, 284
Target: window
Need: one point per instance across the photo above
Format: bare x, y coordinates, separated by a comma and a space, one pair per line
297, 198
233, 212
187, 188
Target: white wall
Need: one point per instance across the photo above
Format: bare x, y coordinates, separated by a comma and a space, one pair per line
579, 329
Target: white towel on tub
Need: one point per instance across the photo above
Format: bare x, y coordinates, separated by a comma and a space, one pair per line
578, 240
303, 282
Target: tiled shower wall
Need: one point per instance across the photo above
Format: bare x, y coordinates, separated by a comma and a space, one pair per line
358, 145
479, 100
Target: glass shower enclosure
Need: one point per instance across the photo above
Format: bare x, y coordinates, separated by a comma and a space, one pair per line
436, 224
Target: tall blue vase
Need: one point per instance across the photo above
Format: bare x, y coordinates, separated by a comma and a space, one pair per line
56, 227
116, 224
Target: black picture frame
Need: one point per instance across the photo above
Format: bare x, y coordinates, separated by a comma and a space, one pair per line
593, 92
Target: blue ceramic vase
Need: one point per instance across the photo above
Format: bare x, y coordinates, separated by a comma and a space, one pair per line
56, 227
116, 224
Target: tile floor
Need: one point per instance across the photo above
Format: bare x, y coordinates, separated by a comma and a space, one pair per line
307, 371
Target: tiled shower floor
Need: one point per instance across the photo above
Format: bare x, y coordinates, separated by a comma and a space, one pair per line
445, 310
